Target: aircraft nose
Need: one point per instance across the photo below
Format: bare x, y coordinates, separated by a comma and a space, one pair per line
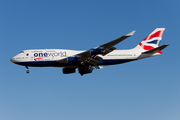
12, 60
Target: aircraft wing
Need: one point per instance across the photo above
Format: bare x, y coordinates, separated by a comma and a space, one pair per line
114, 42
91, 56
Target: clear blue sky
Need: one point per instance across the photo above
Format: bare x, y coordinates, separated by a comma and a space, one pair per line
147, 89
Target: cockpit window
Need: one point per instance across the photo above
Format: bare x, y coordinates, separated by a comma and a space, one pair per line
22, 52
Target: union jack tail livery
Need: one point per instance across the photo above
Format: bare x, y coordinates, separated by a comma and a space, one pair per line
151, 41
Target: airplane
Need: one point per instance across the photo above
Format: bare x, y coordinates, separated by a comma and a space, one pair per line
95, 58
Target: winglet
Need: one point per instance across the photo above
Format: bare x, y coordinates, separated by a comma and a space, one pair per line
131, 33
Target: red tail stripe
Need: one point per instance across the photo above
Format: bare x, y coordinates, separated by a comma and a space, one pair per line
145, 38
157, 34
160, 52
145, 47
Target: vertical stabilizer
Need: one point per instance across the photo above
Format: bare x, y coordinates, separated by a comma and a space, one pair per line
151, 41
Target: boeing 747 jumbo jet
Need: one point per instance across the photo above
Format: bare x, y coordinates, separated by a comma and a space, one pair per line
95, 58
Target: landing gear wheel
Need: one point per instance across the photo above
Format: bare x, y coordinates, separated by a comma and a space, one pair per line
27, 71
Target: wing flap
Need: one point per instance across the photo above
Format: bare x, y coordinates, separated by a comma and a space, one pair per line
94, 60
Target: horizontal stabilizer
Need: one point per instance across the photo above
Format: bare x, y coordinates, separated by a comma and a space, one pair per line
155, 50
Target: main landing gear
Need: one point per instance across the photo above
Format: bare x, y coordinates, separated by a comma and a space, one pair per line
27, 71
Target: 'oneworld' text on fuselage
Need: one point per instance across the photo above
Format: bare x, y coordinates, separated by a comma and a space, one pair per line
52, 54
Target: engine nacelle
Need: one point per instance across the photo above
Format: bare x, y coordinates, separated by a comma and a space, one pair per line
68, 70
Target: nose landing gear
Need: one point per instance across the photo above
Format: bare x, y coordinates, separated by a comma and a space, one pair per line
27, 71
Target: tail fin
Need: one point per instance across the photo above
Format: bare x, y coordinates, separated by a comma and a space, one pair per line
151, 41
